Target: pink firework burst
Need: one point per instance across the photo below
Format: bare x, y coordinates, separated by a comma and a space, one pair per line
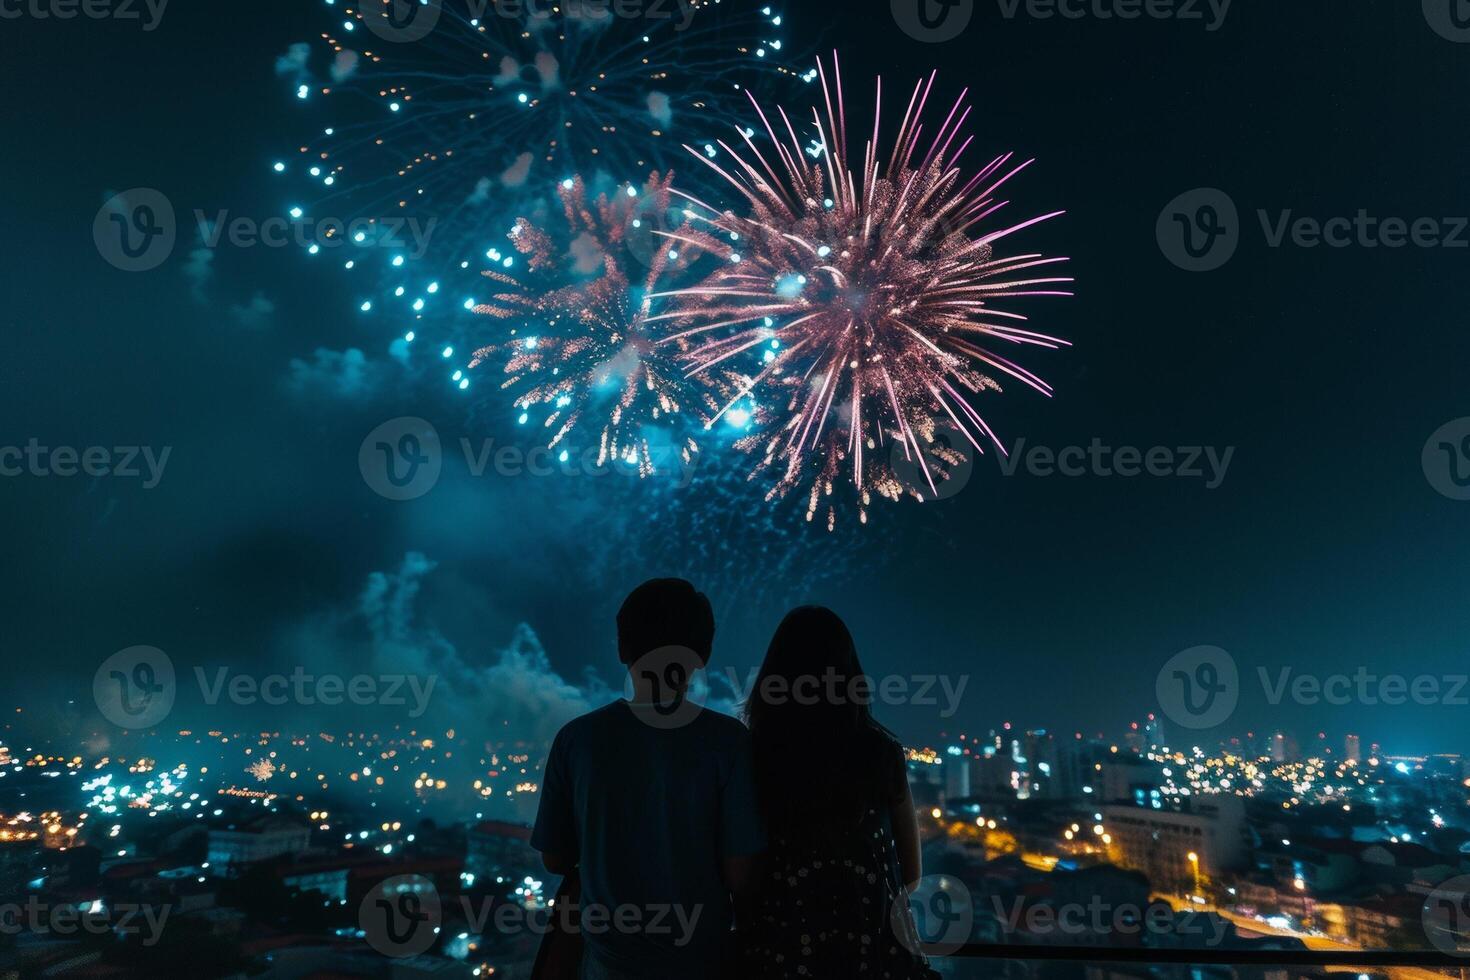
870, 296
582, 349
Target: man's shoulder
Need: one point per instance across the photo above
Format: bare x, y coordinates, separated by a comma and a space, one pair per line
712, 728
596, 720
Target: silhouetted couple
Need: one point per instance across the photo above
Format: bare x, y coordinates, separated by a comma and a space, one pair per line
679, 823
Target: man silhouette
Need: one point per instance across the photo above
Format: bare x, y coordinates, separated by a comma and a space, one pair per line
651, 802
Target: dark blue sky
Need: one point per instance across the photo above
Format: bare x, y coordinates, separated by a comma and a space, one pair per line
1324, 549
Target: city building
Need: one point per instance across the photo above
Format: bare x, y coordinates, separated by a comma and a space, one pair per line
264, 839
328, 878
1320, 866
1153, 731
993, 776
1124, 779
1283, 748
1179, 850
494, 848
956, 773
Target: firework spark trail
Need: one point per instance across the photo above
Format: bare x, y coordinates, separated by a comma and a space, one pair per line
465, 127
584, 347
754, 560
507, 97
870, 294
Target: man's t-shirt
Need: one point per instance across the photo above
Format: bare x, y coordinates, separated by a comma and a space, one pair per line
649, 814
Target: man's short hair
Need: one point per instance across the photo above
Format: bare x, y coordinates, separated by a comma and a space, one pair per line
665, 612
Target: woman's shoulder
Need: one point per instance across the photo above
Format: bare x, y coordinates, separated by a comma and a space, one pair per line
879, 742
889, 760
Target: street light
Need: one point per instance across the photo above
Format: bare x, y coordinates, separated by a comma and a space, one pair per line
1300, 885
1194, 866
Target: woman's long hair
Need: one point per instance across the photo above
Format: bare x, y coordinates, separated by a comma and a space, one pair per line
820, 758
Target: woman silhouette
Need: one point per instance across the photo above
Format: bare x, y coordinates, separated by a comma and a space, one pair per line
833, 788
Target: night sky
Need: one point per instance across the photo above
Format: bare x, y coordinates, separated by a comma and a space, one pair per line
1324, 549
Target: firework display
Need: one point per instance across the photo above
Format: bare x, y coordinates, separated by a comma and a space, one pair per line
441, 129
867, 286
577, 335
838, 313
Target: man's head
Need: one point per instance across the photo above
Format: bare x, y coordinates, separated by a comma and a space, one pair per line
665, 612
